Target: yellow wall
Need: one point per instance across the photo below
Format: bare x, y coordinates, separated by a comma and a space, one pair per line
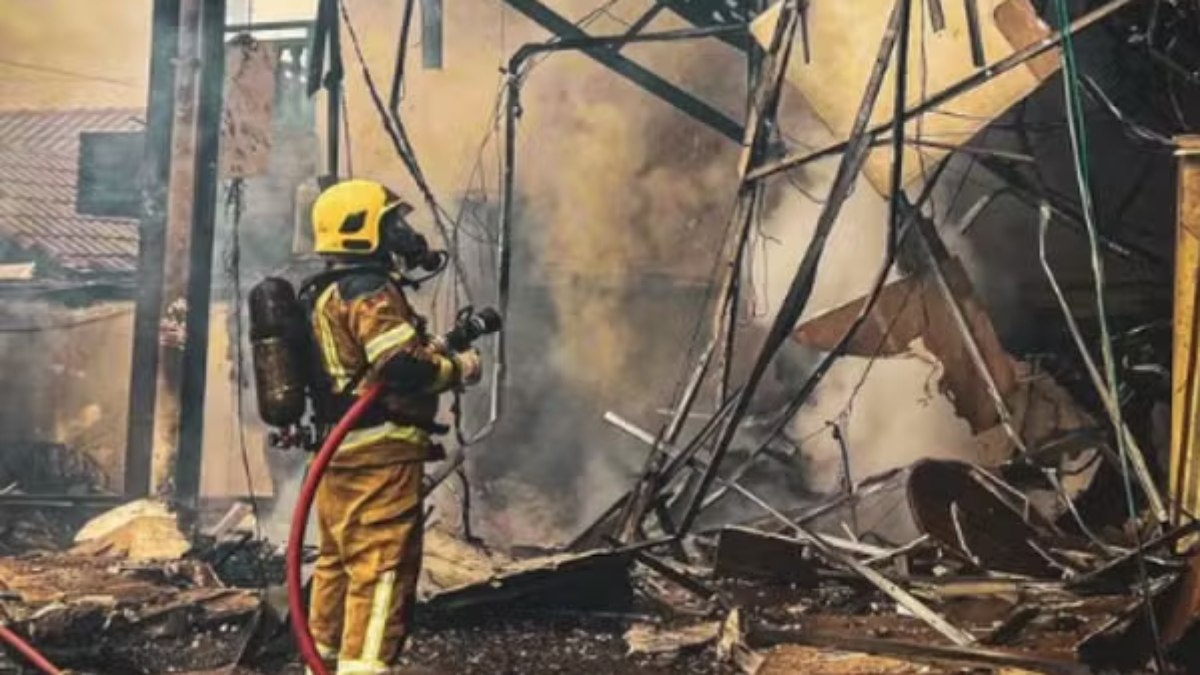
91, 53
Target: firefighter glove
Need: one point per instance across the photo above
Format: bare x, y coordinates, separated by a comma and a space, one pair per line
470, 368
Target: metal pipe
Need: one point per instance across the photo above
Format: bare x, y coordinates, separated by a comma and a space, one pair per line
575, 38
937, 16
235, 28
1136, 458
801, 286
570, 44
333, 99
902, 597
826, 362
689, 394
512, 111
648, 438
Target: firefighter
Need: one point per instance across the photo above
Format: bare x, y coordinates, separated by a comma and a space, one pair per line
369, 503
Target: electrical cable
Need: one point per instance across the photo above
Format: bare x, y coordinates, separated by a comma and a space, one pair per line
346, 133
394, 128
51, 70
401, 57
1076, 126
235, 207
1133, 129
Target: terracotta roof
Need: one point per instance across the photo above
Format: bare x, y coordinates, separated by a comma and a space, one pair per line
39, 154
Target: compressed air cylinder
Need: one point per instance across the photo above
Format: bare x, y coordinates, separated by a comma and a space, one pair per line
278, 341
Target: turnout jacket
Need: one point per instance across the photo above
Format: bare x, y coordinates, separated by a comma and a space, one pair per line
366, 331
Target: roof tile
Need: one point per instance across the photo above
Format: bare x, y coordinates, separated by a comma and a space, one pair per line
39, 153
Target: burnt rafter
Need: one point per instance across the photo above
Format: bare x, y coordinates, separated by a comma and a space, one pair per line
631, 70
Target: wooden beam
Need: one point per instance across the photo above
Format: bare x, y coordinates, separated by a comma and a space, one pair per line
1185, 370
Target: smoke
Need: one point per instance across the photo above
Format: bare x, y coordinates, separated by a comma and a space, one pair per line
620, 210
889, 410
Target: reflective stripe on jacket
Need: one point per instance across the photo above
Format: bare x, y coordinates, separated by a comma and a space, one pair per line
363, 321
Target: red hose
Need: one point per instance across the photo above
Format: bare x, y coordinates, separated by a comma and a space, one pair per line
295, 544
26, 650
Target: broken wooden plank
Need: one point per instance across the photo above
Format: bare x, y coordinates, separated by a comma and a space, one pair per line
929, 653
1185, 610
642, 639
913, 308
597, 578
746, 553
793, 659
1185, 363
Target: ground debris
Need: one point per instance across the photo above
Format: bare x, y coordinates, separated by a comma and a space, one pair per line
790, 659
93, 613
140, 530
650, 639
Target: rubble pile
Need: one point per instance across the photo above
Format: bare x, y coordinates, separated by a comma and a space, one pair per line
42, 485
126, 599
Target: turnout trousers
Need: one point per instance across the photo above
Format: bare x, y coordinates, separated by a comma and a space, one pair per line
370, 528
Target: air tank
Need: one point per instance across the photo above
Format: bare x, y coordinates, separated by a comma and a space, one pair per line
279, 340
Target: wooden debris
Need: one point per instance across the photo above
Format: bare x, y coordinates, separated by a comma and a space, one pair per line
117, 616
141, 530
1125, 642
144, 538
644, 638
894, 591
922, 652
1185, 610
792, 659
751, 554
449, 562
732, 648
597, 578
913, 308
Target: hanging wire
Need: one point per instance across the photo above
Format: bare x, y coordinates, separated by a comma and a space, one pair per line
394, 128
346, 133
1079, 150
235, 203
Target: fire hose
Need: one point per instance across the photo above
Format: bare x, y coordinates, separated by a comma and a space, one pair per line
33, 656
295, 545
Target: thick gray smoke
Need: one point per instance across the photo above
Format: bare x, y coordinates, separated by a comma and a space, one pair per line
621, 203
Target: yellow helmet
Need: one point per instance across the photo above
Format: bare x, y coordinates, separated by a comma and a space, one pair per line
347, 217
